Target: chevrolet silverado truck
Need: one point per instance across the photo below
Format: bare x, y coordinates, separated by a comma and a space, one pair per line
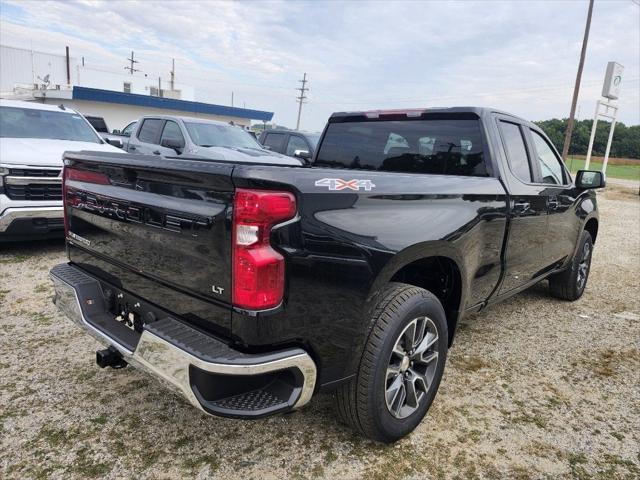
250, 287
33, 137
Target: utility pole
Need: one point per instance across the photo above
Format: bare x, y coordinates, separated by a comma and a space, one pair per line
301, 98
173, 73
132, 61
68, 66
232, 99
159, 86
576, 88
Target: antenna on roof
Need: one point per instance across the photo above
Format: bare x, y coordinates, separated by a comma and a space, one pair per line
61, 107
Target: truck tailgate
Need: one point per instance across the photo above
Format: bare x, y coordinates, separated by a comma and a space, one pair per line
157, 227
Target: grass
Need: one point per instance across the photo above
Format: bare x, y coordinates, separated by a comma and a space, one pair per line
629, 172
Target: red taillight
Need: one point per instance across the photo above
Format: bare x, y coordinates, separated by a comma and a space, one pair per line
73, 174
86, 176
258, 270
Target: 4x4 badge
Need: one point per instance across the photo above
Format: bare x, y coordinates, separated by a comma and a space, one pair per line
340, 184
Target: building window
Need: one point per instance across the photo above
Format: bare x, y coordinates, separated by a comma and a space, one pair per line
127, 87
153, 91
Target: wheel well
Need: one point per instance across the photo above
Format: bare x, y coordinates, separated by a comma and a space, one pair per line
441, 276
592, 227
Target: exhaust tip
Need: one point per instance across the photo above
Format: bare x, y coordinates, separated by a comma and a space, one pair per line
110, 357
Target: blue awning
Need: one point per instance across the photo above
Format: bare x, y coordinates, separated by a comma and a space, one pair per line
110, 96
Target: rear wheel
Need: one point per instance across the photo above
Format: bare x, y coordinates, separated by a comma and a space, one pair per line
401, 366
570, 284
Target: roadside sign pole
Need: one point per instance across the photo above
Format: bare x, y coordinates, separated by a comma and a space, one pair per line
593, 136
606, 153
610, 91
611, 112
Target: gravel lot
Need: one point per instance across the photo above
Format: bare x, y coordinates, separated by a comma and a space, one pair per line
534, 388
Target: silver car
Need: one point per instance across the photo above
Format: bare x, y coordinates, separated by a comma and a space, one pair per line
188, 136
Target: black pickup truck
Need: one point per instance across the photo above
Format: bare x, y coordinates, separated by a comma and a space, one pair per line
251, 287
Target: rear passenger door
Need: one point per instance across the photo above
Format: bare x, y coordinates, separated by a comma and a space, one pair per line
527, 209
147, 138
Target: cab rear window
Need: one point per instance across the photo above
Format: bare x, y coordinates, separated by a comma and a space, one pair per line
446, 147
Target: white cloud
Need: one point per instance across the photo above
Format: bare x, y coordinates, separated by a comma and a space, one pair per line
518, 56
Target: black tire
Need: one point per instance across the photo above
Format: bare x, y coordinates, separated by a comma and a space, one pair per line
363, 402
570, 283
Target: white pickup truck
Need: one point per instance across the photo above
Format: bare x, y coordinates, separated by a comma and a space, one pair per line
33, 137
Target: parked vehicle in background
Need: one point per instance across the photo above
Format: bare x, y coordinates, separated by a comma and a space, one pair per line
175, 135
290, 142
258, 285
100, 126
33, 137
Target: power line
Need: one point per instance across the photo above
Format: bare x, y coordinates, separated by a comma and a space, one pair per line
301, 98
132, 61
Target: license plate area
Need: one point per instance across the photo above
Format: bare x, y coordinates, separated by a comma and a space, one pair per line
122, 316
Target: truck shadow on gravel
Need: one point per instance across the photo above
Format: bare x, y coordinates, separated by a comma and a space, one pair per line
30, 248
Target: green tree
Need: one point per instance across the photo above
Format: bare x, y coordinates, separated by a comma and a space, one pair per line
625, 143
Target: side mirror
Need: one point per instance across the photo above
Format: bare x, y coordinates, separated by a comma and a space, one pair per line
587, 179
116, 131
176, 145
266, 147
116, 142
302, 154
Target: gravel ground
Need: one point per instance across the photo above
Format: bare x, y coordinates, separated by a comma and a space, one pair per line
534, 388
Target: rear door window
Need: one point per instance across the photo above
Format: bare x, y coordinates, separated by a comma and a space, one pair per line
150, 130
438, 146
275, 141
516, 151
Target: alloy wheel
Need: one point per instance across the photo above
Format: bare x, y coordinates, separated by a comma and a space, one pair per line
583, 266
411, 367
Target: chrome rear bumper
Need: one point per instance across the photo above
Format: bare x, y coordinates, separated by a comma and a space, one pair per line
173, 364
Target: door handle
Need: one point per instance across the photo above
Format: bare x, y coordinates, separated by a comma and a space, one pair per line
157, 152
131, 147
521, 207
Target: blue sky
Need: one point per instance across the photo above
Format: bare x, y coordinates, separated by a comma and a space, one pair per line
517, 56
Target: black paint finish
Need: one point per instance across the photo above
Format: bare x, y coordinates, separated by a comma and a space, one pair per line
162, 231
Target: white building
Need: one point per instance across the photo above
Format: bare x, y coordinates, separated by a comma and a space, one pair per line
117, 97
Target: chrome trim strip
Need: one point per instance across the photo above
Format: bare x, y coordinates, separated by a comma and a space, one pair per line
170, 364
24, 166
11, 214
9, 180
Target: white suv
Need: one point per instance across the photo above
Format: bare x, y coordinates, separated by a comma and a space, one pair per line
33, 137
